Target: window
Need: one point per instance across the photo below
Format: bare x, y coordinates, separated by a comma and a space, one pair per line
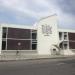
19, 33
71, 36
65, 37
34, 46
60, 35
3, 45
4, 32
65, 46
34, 35
19, 39
18, 44
72, 45
61, 45
34, 40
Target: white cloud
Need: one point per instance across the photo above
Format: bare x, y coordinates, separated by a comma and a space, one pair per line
66, 21
21, 6
38, 8
44, 3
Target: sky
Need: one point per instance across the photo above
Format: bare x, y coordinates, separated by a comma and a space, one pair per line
28, 12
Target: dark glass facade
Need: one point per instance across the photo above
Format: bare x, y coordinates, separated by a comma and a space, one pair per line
71, 36
4, 32
18, 44
3, 45
19, 39
34, 46
72, 45
71, 40
19, 33
34, 35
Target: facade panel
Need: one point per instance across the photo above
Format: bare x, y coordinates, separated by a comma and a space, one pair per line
71, 36
72, 45
18, 44
19, 33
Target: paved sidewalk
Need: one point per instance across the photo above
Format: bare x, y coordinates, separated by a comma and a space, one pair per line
34, 57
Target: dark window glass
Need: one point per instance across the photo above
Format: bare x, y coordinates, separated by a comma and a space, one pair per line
4, 32
34, 46
72, 36
18, 44
3, 45
61, 45
19, 33
60, 35
34, 35
65, 37
72, 45
65, 46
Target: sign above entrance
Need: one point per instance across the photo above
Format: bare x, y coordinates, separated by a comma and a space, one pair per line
46, 30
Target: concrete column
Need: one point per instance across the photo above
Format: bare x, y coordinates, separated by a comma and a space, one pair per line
0, 38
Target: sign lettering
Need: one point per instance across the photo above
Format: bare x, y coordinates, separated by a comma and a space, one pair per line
46, 29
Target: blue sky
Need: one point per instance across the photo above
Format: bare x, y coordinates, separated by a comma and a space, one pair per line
28, 12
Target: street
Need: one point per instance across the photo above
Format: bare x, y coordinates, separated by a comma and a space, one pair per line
38, 67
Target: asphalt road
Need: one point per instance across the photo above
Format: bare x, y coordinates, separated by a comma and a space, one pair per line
38, 67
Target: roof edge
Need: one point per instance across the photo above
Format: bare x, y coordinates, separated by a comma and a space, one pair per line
48, 16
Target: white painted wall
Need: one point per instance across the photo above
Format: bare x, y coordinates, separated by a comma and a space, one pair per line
45, 42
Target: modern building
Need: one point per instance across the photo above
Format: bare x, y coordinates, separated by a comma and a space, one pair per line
43, 38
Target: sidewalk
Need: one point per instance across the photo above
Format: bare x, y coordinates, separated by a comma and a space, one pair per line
34, 57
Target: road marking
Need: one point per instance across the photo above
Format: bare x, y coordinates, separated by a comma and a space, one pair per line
61, 63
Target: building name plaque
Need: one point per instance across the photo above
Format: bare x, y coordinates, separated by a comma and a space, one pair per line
46, 30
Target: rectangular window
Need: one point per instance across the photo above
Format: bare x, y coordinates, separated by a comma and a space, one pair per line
60, 35
34, 35
65, 46
61, 45
34, 46
3, 45
19, 39
72, 45
19, 33
4, 35
4, 32
72, 36
65, 37
18, 44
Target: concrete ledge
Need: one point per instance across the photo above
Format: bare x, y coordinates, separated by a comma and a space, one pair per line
32, 57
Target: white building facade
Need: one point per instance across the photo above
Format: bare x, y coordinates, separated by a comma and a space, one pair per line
45, 38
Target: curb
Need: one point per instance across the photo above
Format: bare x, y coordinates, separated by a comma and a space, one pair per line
58, 57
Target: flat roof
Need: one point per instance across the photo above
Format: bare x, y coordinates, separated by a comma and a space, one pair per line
18, 26
48, 16
66, 30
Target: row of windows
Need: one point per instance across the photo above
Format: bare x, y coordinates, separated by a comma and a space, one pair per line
19, 33
66, 36
64, 45
19, 39
18, 45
